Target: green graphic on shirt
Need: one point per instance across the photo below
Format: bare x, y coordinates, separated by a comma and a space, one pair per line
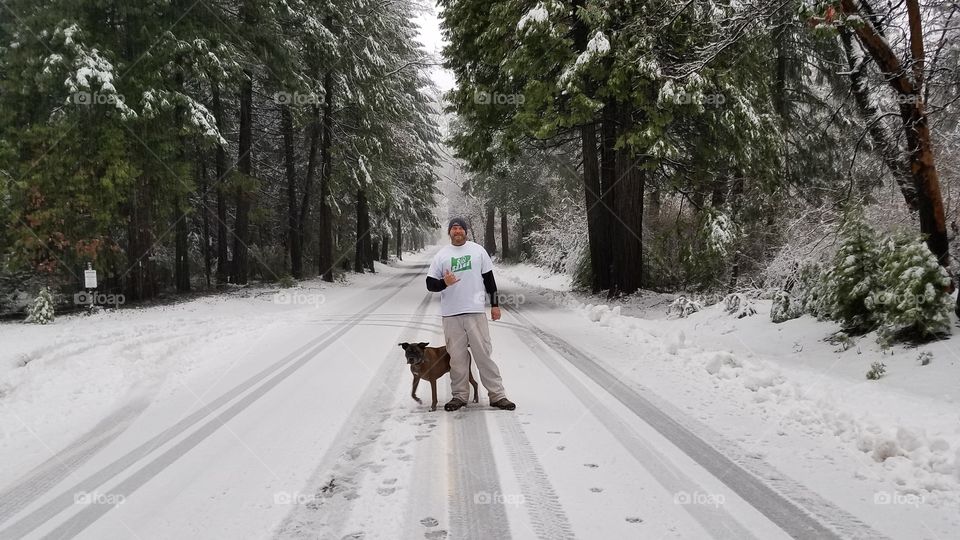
459, 264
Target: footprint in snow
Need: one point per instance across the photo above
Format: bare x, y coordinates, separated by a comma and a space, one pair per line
354, 536
435, 535
429, 522
634, 520
561, 448
390, 481
386, 491
596, 490
553, 432
591, 465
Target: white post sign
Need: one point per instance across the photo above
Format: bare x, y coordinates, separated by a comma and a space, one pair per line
90, 279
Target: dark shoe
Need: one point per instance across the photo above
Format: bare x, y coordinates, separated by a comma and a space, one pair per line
454, 404
503, 403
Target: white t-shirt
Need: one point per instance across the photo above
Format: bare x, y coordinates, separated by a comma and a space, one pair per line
467, 262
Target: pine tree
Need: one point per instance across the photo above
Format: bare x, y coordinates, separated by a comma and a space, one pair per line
41, 310
913, 298
853, 276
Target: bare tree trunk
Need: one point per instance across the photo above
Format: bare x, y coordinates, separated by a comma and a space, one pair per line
504, 235
926, 181
362, 245
882, 139
627, 273
205, 208
489, 231
325, 253
181, 265
223, 262
607, 199
399, 240
244, 195
310, 176
293, 215
597, 236
141, 284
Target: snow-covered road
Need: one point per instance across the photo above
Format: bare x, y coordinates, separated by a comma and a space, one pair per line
309, 431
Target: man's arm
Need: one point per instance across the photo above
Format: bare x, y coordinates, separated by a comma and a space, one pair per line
435, 285
490, 285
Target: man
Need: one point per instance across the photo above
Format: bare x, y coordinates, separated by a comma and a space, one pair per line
463, 275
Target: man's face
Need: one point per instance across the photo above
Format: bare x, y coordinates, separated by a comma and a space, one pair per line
458, 236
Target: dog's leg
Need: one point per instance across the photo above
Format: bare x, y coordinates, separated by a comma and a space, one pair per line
433, 389
413, 393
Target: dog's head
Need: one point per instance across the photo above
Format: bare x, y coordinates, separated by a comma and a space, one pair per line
414, 351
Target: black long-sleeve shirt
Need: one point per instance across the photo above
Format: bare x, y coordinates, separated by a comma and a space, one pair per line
489, 284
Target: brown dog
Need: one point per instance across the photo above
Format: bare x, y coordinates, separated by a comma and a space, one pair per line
430, 363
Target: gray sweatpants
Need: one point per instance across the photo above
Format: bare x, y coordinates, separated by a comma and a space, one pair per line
471, 330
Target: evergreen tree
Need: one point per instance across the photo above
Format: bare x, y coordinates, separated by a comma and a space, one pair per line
913, 297
41, 310
853, 277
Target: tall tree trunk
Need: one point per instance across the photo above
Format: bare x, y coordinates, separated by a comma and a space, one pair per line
141, 284
293, 215
627, 272
244, 194
910, 96
325, 241
923, 170
314, 135
399, 239
489, 231
597, 236
504, 235
882, 139
607, 200
223, 262
205, 208
181, 267
362, 245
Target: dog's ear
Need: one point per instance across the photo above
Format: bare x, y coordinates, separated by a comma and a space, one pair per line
423, 344
403, 345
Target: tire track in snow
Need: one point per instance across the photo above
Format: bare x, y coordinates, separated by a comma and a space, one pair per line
54, 470
543, 506
803, 515
474, 491
334, 483
91, 513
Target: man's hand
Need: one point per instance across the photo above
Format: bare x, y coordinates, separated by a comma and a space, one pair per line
495, 313
449, 278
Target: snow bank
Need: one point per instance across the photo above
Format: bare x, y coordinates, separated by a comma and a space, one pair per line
886, 426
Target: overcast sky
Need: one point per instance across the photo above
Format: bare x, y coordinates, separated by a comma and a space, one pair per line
433, 44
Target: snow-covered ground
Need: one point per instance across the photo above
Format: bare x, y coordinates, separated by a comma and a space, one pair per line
286, 413
886, 450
